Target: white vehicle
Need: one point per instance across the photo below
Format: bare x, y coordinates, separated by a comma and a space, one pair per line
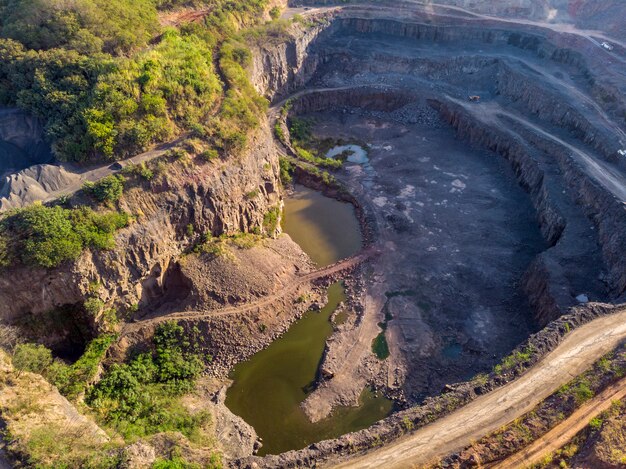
622, 152
607, 46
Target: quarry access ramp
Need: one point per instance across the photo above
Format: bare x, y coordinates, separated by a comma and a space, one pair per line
560, 435
578, 351
287, 289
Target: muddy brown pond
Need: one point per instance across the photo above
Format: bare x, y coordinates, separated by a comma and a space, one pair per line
268, 388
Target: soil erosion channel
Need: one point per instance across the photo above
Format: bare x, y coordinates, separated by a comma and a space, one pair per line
268, 389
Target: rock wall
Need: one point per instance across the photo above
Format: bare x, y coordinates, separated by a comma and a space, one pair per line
279, 69
550, 107
544, 43
212, 197
546, 278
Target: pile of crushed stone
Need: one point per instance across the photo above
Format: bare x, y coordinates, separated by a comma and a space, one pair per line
33, 184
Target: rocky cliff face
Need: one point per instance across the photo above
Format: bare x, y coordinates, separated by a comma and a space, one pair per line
217, 198
557, 110
278, 69
566, 199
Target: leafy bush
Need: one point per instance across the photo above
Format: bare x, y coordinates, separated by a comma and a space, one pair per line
73, 380
309, 157
108, 189
46, 236
141, 170
515, 359
83, 68
242, 105
209, 155
88, 26
279, 133
70, 379
300, 129
286, 171
271, 219
275, 13
139, 398
582, 392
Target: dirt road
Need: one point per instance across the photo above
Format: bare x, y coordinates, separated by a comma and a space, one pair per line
611, 179
578, 351
566, 430
99, 172
287, 289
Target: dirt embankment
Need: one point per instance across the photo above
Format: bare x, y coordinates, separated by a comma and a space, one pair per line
564, 432
602, 444
240, 300
561, 413
36, 415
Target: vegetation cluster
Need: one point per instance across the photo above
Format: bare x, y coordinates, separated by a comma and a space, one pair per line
108, 80
44, 236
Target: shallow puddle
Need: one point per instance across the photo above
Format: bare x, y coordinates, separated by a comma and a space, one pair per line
357, 155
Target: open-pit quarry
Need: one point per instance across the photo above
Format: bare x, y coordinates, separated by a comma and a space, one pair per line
484, 155
464, 262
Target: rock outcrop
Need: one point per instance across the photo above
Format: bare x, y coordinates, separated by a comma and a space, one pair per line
278, 69
214, 198
550, 286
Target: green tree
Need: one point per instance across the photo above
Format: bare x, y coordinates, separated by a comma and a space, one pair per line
108, 189
47, 235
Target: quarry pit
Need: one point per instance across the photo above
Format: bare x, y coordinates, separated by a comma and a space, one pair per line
484, 160
488, 171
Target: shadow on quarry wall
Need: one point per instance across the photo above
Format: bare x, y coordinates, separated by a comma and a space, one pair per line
21, 141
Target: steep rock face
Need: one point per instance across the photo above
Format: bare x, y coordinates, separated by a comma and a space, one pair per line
278, 69
554, 109
544, 43
217, 198
549, 281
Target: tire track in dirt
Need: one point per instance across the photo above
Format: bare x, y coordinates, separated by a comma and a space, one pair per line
560, 435
578, 351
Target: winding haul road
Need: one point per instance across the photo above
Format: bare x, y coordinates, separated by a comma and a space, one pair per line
560, 435
285, 290
578, 351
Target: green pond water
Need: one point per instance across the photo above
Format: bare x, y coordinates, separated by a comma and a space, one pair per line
326, 229
268, 388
